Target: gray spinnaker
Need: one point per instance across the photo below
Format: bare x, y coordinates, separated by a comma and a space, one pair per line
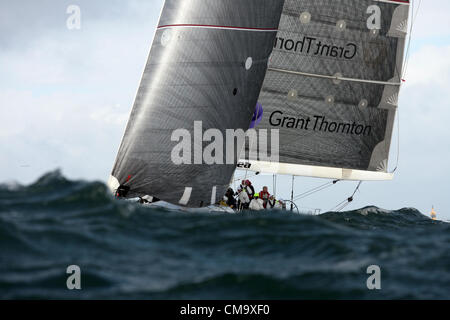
332, 88
198, 69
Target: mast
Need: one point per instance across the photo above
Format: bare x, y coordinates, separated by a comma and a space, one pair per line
292, 194
274, 185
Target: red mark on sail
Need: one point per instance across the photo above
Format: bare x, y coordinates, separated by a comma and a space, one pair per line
129, 177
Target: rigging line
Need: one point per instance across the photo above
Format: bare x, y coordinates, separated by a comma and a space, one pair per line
351, 198
405, 62
313, 189
343, 204
398, 142
413, 20
316, 189
414, 14
408, 38
357, 188
311, 193
245, 177
400, 74
338, 205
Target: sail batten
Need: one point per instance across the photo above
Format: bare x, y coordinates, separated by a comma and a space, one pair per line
333, 77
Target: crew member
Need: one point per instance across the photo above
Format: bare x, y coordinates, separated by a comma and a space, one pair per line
256, 203
250, 189
231, 201
264, 195
271, 202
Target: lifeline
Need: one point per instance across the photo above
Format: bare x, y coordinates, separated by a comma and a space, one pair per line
318, 123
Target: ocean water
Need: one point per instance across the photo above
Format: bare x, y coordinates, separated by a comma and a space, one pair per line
127, 251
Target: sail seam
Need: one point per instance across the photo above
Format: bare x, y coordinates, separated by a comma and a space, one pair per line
205, 26
314, 75
394, 1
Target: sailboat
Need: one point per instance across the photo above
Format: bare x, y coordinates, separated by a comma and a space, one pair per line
324, 76
433, 213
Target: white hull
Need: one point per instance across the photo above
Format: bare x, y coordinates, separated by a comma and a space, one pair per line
208, 209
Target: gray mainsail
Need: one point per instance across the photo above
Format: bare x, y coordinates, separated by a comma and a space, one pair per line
332, 88
207, 63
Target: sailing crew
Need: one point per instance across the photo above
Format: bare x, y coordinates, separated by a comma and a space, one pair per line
275, 204
280, 205
245, 194
271, 202
242, 186
264, 195
257, 203
250, 189
231, 201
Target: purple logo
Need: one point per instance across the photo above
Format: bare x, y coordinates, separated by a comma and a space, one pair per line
257, 115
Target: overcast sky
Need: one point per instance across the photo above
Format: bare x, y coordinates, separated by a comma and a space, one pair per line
65, 96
